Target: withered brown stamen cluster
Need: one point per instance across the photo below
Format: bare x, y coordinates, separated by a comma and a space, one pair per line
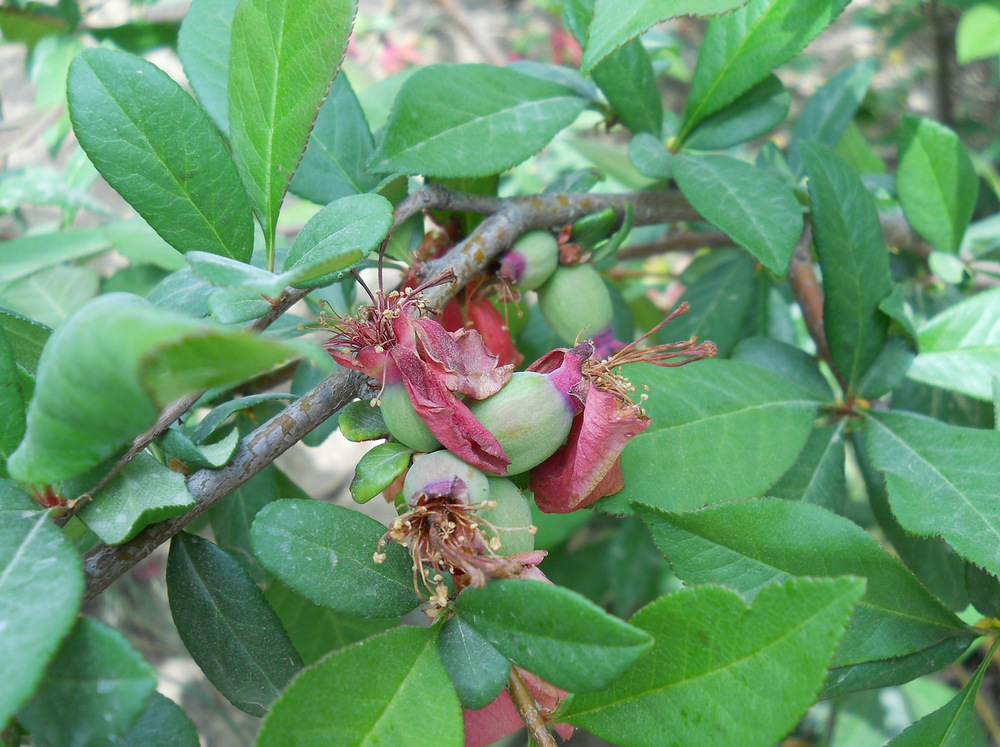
444, 534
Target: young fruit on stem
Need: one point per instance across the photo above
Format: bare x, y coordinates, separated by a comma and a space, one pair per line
511, 518
531, 260
576, 302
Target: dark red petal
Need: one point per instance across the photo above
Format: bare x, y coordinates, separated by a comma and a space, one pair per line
447, 416
489, 322
460, 359
583, 469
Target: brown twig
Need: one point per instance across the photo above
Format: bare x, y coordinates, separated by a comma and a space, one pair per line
527, 708
483, 42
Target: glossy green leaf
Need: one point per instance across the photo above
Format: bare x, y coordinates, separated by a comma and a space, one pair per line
752, 544
50, 296
132, 119
203, 46
340, 145
854, 259
227, 625
235, 275
941, 481
359, 421
626, 77
324, 552
936, 182
138, 358
818, 475
11, 404
787, 360
135, 239
478, 671
978, 34
25, 255
284, 56
830, 110
650, 157
373, 693
315, 630
164, 724
41, 585
615, 22
219, 416
720, 300
377, 469
723, 671
26, 338
553, 632
349, 228
754, 208
95, 689
755, 113
953, 725
445, 119
721, 430
232, 518
742, 47
237, 306
960, 347
143, 493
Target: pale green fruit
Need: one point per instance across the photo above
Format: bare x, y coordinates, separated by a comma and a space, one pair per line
531, 260
529, 417
403, 422
437, 471
511, 517
575, 301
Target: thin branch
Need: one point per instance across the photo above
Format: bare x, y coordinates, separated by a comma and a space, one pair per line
482, 41
527, 709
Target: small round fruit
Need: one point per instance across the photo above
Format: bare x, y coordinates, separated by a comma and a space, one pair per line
511, 517
531, 260
403, 422
435, 473
575, 300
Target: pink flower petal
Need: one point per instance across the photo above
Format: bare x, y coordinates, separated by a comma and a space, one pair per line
500, 718
461, 359
487, 320
563, 367
447, 416
584, 468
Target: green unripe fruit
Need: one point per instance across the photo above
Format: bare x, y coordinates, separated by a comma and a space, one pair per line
576, 300
529, 417
436, 472
403, 422
531, 260
511, 517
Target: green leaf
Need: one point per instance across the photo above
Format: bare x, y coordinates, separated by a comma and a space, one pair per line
408, 701
713, 650
830, 110
337, 239
626, 77
215, 420
478, 671
284, 56
720, 299
340, 145
315, 630
227, 625
203, 46
650, 157
53, 294
25, 255
898, 310
553, 632
721, 430
953, 725
41, 585
752, 544
978, 34
138, 358
854, 260
818, 476
755, 113
617, 21
941, 481
11, 404
95, 689
136, 240
236, 306
445, 119
232, 518
132, 119
26, 338
742, 47
360, 421
754, 208
787, 360
377, 469
143, 493
960, 347
232, 274
936, 182
324, 552
164, 724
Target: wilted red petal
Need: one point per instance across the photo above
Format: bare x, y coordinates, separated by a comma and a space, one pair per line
563, 366
449, 419
459, 359
583, 469
500, 718
489, 322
